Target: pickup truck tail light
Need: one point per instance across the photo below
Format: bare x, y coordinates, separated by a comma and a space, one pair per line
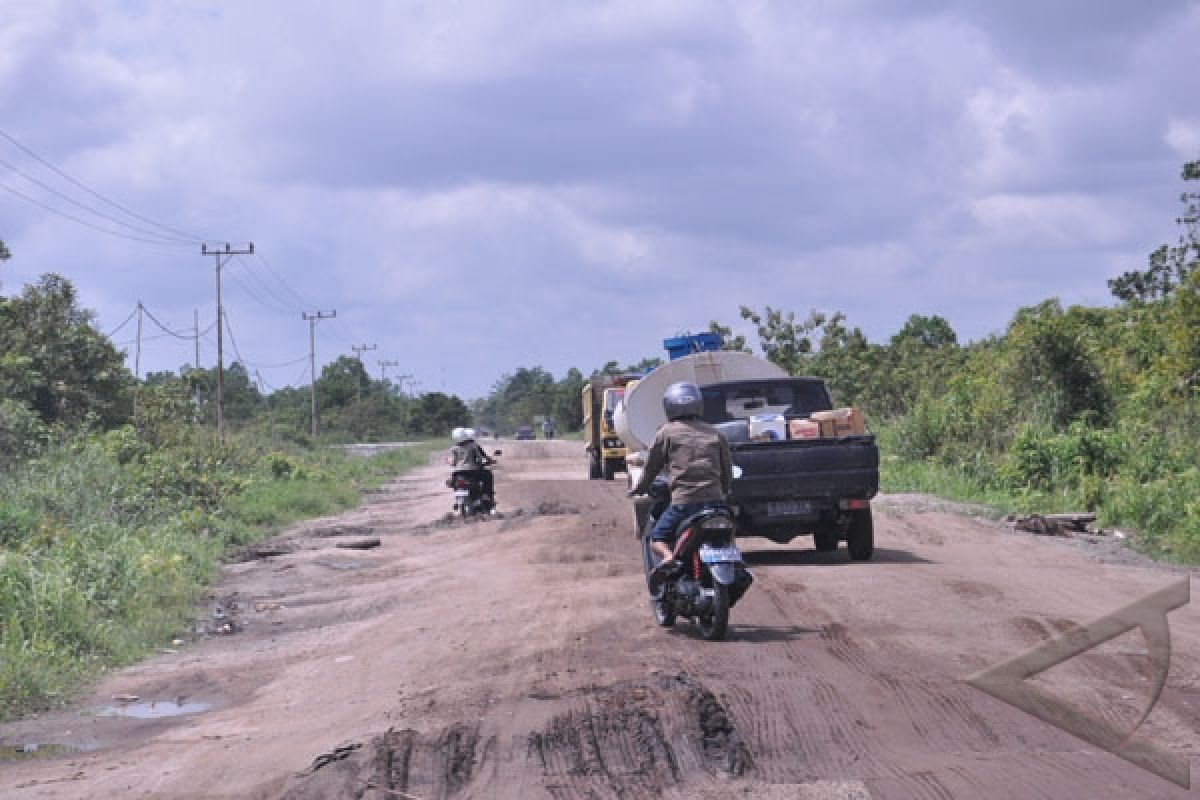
853, 503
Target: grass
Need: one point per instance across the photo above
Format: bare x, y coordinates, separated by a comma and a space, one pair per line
106, 547
1163, 514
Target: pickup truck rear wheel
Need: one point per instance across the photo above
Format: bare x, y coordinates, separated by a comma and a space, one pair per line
860, 538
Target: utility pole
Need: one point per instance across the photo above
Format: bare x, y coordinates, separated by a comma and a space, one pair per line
196, 367
222, 257
383, 365
359, 349
196, 336
312, 357
137, 371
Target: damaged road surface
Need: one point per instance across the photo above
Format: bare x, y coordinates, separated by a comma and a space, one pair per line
516, 657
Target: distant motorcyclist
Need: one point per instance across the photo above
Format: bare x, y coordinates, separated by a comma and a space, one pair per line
698, 463
468, 456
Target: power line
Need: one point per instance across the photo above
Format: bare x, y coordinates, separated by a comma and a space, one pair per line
164, 239
117, 329
232, 341
83, 222
255, 296
303, 302
165, 329
191, 237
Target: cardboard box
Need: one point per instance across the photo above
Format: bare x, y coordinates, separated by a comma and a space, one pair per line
840, 422
804, 429
767, 428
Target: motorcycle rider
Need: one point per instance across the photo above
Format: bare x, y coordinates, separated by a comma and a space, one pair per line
468, 456
699, 468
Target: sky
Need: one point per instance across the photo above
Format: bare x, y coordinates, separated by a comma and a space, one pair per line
479, 186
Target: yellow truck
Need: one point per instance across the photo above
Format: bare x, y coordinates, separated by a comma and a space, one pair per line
605, 450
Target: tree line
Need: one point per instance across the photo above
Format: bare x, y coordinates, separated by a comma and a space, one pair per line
59, 374
1090, 406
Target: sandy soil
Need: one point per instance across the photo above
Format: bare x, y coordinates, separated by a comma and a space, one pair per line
517, 658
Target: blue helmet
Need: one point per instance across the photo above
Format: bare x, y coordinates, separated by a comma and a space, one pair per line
682, 400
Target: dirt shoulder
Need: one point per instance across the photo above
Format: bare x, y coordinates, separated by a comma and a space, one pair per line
517, 658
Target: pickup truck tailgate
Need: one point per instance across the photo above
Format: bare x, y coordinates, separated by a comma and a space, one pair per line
813, 469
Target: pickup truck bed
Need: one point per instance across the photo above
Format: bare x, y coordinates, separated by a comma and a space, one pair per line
788, 488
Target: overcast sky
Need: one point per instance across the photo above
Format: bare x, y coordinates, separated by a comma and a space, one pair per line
477, 186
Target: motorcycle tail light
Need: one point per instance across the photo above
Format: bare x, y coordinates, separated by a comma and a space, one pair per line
460, 484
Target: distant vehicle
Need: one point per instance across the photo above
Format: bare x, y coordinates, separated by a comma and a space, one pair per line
525, 432
605, 450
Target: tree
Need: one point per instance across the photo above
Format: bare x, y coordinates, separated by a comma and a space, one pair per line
928, 332
728, 340
1052, 365
783, 340
1169, 266
846, 361
435, 414
341, 382
54, 359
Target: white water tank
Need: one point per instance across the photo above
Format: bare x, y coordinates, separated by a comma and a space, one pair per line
639, 415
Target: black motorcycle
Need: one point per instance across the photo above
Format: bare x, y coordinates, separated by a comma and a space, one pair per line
469, 496
473, 491
711, 576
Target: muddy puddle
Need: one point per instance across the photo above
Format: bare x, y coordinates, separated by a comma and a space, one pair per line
154, 710
38, 750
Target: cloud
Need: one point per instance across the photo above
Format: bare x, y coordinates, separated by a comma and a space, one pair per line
476, 187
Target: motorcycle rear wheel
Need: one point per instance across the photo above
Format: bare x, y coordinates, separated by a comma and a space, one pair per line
714, 625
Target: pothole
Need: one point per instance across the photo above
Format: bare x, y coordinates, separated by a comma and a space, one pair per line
159, 709
34, 750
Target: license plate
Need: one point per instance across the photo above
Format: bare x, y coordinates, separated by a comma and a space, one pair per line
715, 555
461, 493
788, 508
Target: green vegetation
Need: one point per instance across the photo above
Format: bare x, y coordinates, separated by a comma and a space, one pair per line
117, 502
1070, 409
106, 542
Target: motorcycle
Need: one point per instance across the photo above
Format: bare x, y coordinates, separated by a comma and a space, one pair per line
711, 576
470, 497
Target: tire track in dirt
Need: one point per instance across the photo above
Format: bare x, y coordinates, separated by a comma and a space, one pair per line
629, 740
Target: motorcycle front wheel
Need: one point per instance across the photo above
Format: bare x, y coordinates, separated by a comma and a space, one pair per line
714, 625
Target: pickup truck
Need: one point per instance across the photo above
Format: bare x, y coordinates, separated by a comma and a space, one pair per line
784, 488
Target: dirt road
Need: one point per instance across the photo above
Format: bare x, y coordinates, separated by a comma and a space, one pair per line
517, 658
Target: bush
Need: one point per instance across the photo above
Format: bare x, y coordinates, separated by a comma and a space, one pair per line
22, 433
106, 543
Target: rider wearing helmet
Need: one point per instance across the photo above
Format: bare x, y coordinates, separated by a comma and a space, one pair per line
697, 461
468, 456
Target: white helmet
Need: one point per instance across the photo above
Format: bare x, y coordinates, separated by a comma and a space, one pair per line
468, 433
459, 435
